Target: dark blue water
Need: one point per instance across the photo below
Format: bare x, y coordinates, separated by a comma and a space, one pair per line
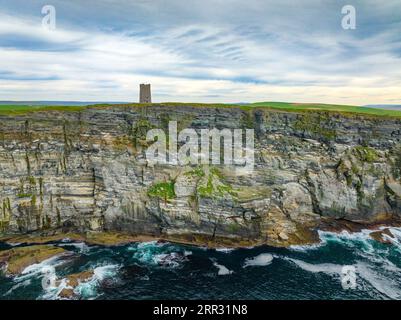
169, 271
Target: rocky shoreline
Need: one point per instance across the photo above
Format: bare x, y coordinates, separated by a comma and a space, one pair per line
39, 249
36, 248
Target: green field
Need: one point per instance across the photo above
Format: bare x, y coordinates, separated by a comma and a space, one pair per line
284, 106
21, 109
287, 106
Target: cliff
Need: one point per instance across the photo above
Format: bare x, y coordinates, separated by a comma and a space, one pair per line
84, 170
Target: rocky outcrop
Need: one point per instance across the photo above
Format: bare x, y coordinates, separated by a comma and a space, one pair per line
85, 170
14, 261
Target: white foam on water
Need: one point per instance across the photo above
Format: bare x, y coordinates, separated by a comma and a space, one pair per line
376, 270
81, 246
106, 271
385, 285
303, 248
37, 268
223, 271
368, 248
160, 254
170, 260
154, 243
351, 239
225, 250
263, 259
146, 246
396, 240
382, 284
52, 293
21, 284
327, 268
362, 236
86, 290
15, 244
396, 232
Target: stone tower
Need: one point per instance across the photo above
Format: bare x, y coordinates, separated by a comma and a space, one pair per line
145, 95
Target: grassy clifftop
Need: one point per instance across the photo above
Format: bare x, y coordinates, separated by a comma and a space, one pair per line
326, 107
284, 106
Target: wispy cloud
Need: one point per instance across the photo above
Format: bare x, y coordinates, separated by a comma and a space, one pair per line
223, 51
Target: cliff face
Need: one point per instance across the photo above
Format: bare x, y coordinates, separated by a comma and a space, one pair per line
86, 171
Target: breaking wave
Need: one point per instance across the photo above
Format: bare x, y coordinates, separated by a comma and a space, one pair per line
377, 265
160, 254
84, 290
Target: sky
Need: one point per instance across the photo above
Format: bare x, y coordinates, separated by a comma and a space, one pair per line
202, 51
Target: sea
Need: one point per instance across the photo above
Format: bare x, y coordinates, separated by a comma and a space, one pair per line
158, 271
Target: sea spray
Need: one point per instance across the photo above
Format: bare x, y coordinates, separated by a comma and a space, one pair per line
263, 259
159, 254
222, 270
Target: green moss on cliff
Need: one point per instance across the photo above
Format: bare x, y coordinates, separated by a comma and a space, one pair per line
396, 154
138, 132
248, 120
163, 190
197, 172
212, 185
365, 154
316, 124
5, 214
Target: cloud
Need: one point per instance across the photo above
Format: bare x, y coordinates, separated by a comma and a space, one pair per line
212, 51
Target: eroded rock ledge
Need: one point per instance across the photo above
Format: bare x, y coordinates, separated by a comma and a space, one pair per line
85, 171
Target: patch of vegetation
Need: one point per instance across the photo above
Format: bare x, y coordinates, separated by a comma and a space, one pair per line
342, 109
24, 109
316, 124
197, 172
163, 190
138, 132
213, 187
41, 187
121, 143
32, 180
233, 227
365, 154
46, 222
396, 152
248, 121
5, 210
24, 195
27, 187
